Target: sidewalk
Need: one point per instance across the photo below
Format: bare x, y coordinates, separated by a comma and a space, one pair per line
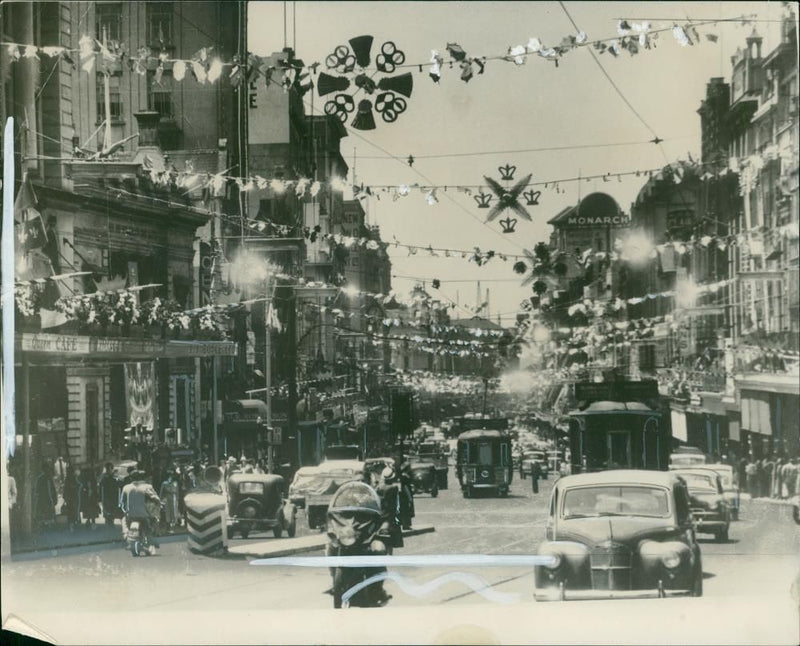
57, 537
774, 501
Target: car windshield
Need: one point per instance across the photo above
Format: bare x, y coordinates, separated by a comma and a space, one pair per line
616, 500
699, 481
687, 460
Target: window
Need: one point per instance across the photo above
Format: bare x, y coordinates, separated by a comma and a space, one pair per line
108, 20
159, 95
115, 98
159, 23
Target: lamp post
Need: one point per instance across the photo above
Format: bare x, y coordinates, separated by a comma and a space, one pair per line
268, 377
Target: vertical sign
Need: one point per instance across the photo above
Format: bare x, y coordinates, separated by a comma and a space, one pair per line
140, 393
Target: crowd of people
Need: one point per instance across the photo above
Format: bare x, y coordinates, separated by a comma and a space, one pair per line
772, 476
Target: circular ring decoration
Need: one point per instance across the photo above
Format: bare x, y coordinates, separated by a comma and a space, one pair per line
390, 106
364, 85
340, 107
389, 58
341, 61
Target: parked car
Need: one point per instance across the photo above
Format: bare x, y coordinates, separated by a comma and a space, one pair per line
620, 533
730, 486
332, 474
709, 509
255, 502
687, 456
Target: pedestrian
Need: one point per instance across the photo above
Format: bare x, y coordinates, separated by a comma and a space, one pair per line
389, 492
751, 471
12, 493
536, 472
742, 472
790, 478
45, 496
169, 495
767, 468
109, 488
777, 478
72, 498
89, 502
59, 474
129, 472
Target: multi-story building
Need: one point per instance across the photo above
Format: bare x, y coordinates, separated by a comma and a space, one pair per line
105, 124
765, 325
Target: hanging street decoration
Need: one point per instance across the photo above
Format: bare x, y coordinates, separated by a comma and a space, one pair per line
352, 77
507, 197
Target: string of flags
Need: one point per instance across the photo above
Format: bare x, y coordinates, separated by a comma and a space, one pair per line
206, 67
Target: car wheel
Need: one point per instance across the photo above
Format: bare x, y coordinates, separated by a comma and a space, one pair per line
467, 492
291, 527
135, 549
796, 514
434, 491
231, 532
245, 533
722, 536
277, 531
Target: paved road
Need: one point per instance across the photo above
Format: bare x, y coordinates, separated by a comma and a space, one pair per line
760, 559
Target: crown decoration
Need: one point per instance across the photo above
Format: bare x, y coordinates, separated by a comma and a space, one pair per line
507, 172
483, 200
532, 197
508, 224
351, 67
507, 197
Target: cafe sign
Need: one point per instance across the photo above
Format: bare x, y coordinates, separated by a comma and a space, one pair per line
108, 347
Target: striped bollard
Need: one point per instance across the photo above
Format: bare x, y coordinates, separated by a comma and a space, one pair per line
207, 515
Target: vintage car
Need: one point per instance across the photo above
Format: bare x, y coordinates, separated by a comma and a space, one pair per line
331, 475
423, 476
527, 460
620, 533
305, 479
374, 468
435, 453
730, 486
687, 456
710, 511
255, 502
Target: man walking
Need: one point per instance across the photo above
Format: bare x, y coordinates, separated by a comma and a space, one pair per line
536, 472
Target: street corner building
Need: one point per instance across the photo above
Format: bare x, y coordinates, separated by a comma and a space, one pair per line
116, 338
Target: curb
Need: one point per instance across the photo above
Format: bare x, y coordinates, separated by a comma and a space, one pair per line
55, 549
241, 552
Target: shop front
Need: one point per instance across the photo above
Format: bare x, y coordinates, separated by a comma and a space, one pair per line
77, 395
770, 405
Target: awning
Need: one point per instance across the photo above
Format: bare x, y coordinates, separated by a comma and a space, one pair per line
756, 416
678, 419
78, 347
787, 384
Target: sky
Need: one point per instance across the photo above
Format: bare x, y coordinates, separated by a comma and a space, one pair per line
513, 108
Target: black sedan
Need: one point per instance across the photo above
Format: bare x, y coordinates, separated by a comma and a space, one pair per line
621, 533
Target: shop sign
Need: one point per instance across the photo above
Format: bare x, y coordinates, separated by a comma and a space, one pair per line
588, 221
64, 344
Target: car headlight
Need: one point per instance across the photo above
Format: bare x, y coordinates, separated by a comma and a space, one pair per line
671, 560
554, 563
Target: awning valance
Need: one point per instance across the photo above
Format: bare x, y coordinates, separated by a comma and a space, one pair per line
79, 347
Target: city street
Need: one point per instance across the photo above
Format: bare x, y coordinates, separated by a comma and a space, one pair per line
760, 560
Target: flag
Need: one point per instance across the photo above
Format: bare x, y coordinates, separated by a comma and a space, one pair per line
272, 319
31, 233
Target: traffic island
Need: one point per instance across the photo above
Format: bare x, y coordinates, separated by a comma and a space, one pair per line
290, 546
